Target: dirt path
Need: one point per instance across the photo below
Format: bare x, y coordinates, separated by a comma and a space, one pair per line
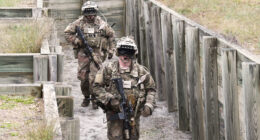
161, 125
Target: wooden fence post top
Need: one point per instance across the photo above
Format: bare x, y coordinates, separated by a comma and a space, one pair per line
177, 20
227, 49
192, 28
208, 37
249, 63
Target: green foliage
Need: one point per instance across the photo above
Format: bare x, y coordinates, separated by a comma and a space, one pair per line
14, 134
23, 38
9, 3
42, 132
6, 125
9, 102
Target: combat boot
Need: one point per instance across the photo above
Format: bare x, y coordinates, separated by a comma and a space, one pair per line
85, 102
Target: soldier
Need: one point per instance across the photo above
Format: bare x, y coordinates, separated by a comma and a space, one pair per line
138, 86
100, 37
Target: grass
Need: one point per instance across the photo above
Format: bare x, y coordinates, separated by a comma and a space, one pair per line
11, 3
6, 125
41, 132
9, 102
23, 37
238, 20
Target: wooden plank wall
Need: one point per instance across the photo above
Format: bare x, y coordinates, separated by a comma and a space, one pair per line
30, 68
63, 12
67, 11
218, 98
114, 11
16, 68
16, 12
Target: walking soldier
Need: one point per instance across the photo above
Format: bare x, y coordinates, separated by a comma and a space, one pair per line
126, 90
93, 41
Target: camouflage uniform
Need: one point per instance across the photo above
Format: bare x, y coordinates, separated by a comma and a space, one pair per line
139, 88
100, 38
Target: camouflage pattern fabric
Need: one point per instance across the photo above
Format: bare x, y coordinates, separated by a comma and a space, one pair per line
139, 88
100, 37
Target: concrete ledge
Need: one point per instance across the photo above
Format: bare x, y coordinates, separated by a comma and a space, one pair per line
51, 108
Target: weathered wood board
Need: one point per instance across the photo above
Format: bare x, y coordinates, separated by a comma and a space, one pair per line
170, 78
194, 84
65, 106
21, 89
70, 128
181, 72
158, 52
15, 12
229, 81
16, 63
210, 76
251, 92
16, 78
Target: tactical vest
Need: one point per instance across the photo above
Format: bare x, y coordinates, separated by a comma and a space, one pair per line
92, 35
134, 90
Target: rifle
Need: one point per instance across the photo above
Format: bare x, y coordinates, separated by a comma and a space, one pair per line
127, 110
87, 50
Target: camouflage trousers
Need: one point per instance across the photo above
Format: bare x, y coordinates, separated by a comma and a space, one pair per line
86, 73
115, 128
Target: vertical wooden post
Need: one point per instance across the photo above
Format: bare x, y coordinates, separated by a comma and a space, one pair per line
70, 128
194, 84
251, 91
53, 68
132, 19
210, 75
143, 49
158, 52
181, 77
229, 82
40, 68
60, 67
63, 90
167, 41
148, 36
65, 106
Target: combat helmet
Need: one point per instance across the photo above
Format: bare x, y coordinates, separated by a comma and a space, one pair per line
126, 46
89, 8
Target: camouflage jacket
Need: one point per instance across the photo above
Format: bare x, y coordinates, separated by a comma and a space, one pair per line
99, 35
138, 85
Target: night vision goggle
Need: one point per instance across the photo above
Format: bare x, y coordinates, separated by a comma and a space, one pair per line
90, 11
126, 50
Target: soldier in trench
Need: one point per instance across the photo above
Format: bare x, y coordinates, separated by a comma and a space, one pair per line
139, 90
100, 38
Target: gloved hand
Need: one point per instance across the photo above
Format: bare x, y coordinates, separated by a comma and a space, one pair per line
114, 102
78, 42
146, 111
110, 55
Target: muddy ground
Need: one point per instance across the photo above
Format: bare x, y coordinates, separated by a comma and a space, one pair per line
160, 126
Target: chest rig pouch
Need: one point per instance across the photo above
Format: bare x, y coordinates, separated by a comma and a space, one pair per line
133, 88
92, 35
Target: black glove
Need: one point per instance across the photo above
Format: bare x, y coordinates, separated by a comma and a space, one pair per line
110, 55
114, 103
